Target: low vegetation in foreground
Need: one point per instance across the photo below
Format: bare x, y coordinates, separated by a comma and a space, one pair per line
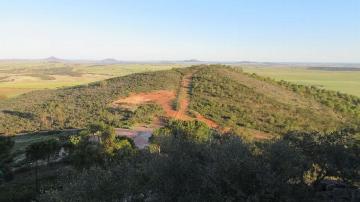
187, 161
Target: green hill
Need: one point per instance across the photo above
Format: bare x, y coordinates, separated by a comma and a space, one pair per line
227, 96
237, 100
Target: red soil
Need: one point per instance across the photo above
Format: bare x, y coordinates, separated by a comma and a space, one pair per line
165, 99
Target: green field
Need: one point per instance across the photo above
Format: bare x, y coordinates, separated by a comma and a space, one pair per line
343, 81
20, 77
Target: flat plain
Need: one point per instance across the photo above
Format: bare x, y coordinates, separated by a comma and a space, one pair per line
342, 81
18, 77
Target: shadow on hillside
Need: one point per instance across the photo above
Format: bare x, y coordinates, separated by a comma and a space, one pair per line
24, 115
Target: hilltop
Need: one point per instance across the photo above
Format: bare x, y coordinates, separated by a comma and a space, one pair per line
224, 97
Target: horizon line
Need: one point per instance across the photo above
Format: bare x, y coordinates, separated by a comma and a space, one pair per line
192, 60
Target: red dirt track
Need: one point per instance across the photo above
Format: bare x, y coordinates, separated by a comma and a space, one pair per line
165, 99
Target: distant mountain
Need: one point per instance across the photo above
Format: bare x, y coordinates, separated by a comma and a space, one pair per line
54, 59
192, 61
109, 61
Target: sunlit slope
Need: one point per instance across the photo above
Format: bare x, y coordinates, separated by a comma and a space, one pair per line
238, 100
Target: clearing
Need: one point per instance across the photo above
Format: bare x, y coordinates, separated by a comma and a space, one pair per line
166, 100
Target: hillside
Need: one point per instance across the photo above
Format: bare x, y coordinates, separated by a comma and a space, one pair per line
238, 100
181, 134
77, 106
225, 98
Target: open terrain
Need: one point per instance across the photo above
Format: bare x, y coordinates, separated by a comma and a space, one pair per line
18, 77
338, 79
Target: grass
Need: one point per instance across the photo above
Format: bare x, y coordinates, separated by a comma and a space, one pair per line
343, 81
22, 77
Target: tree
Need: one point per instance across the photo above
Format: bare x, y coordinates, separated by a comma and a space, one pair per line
6, 144
98, 145
34, 152
335, 154
51, 148
42, 150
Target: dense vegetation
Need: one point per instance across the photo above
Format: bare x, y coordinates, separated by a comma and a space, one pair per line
238, 100
78, 106
189, 162
340, 102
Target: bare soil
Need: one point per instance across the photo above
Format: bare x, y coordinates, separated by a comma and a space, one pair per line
165, 99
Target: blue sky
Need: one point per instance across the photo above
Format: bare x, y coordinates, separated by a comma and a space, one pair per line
256, 30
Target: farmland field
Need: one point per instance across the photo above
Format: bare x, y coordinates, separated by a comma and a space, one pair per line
20, 77
343, 81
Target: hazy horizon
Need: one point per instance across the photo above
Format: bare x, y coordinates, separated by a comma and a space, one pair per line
174, 60
272, 31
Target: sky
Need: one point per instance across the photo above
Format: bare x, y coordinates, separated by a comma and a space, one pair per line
214, 30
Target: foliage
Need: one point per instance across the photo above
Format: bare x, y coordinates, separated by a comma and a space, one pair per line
223, 169
146, 113
41, 151
341, 102
223, 95
78, 106
187, 130
186, 160
98, 145
6, 144
331, 155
